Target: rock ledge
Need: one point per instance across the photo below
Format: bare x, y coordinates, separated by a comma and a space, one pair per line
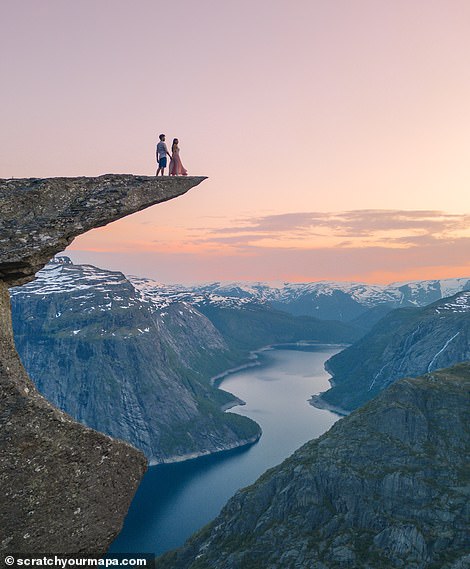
41, 217
65, 488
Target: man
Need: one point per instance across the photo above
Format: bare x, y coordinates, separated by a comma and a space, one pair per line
162, 152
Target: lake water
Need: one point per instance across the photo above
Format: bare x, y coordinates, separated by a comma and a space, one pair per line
175, 500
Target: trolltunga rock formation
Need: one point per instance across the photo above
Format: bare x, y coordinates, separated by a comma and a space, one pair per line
64, 487
40, 217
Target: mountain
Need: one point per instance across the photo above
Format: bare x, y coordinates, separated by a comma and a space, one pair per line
103, 352
341, 301
386, 487
124, 362
406, 342
247, 321
255, 325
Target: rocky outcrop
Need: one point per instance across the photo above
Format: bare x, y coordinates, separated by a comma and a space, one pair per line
40, 217
65, 488
386, 487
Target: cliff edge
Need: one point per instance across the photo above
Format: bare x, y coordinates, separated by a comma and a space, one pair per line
41, 217
65, 488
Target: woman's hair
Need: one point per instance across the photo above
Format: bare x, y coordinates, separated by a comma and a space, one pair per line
175, 143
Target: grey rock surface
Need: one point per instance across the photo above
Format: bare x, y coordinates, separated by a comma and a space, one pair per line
386, 487
40, 217
408, 342
107, 355
64, 487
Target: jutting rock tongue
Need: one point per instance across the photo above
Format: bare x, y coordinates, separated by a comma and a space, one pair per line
65, 488
40, 217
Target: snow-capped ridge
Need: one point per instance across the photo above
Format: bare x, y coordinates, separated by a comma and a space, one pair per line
237, 294
322, 299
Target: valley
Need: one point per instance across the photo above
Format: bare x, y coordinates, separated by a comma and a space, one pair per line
173, 500
140, 361
116, 359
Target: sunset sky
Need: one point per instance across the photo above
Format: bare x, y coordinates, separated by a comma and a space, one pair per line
335, 133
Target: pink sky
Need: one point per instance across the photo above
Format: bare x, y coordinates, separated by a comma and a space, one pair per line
335, 134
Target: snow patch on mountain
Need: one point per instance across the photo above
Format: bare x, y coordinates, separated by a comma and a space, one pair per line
238, 294
460, 303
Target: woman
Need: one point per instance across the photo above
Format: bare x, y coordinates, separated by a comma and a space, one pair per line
176, 168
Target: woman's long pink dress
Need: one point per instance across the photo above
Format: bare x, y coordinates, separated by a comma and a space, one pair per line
176, 167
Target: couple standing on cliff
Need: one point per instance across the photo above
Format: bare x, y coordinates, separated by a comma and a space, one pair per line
176, 167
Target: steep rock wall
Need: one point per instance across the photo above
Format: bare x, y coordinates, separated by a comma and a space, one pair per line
65, 488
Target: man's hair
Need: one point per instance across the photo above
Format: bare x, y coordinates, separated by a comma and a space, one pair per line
161, 137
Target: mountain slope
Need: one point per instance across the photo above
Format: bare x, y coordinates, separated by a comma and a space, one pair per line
386, 487
245, 317
124, 362
101, 351
406, 342
257, 325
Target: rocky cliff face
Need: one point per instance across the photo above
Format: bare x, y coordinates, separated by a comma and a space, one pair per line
406, 342
116, 361
387, 487
65, 487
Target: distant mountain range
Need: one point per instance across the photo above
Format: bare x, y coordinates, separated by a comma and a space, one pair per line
407, 342
121, 361
385, 487
341, 301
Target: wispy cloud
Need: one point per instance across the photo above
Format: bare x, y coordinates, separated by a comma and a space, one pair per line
386, 228
364, 245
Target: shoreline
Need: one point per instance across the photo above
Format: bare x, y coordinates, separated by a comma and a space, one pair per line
217, 380
319, 403
202, 453
253, 355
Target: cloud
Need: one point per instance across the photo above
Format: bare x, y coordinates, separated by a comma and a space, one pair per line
361, 245
359, 228
373, 264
